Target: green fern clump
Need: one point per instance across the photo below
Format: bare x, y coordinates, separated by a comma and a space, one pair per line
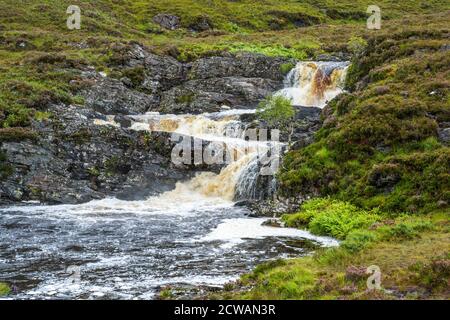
331, 217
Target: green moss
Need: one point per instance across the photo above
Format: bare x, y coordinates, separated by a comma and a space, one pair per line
4, 289
185, 98
286, 67
331, 218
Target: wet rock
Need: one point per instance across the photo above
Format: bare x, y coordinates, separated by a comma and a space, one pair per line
209, 95
243, 203
270, 207
124, 121
167, 21
273, 223
110, 96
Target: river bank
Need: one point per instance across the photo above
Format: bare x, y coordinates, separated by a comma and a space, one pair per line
408, 253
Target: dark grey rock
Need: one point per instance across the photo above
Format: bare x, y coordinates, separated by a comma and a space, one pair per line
209, 95
247, 65
110, 96
167, 21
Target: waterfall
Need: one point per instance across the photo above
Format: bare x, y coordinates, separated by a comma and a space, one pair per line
313, 84
307, 84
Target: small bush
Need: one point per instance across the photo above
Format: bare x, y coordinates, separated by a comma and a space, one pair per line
358, 240
4, 289
407, 228
331, 217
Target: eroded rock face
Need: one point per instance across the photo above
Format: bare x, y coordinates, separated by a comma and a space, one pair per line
167, 21
110, 96
73, 159
205, 85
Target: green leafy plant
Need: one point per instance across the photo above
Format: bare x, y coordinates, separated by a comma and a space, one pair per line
277, 111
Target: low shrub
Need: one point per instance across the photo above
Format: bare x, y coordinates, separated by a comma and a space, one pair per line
4, 289
325, 216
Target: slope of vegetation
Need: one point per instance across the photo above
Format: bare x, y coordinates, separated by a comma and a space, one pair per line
379, 146
411, 253
39, 55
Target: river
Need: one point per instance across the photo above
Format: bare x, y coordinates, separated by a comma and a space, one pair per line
193, 235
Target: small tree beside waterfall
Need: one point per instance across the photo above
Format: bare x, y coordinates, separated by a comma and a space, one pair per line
278, 112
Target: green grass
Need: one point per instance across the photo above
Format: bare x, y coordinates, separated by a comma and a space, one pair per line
331, 218
4, 289
411, 251
381, 149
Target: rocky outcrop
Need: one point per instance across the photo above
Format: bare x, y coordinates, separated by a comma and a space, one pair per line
110, 96
167, 21
205, 85
209, 95
74, 160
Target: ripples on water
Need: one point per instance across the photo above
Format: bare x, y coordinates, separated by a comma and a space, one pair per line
130, 254
191, 235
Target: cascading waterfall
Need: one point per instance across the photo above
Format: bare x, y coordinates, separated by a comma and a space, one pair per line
313, 84
307, 84
129, 249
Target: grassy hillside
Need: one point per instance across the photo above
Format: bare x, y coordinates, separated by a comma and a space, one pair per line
379, 146
411, 253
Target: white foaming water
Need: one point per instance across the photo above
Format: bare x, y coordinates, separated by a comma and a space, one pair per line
313, 84
235, 231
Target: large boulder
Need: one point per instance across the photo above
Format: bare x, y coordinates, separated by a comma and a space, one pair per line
209, 95
110, 96
249, 65
75, 160
167, 21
